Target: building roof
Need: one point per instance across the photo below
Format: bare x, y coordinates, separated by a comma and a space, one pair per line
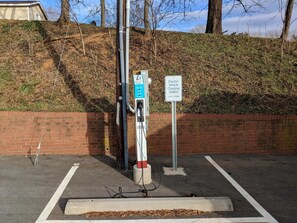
18, 2
23, 3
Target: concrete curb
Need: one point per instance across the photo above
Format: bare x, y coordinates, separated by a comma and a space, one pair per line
206, 204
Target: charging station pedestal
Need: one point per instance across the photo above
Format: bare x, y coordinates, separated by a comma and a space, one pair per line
142, 175
141, 170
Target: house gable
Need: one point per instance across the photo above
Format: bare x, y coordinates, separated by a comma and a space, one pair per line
22, 10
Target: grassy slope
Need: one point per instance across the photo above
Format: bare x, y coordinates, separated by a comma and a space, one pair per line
221, 74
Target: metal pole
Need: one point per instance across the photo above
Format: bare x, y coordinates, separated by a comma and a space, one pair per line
119, 129
127, 55
174, 138
123, 83
123, 144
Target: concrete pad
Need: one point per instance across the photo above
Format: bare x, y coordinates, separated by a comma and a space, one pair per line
205, 204
169, 171
142, 176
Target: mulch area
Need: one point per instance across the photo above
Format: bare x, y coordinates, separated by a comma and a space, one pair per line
151, 213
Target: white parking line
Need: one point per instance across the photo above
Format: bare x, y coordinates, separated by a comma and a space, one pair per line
245, 194
52, 202
176, 220
266, 216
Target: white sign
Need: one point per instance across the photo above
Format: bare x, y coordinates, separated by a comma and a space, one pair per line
173, 88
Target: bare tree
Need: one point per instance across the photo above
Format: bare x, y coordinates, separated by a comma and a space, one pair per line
53, 14
65, 13
287, 20
147, 13
147, 5
248, 6
137, 13
103, 15
214, 17
164, 12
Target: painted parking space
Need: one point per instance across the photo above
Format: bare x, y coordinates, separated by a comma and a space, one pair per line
96, 177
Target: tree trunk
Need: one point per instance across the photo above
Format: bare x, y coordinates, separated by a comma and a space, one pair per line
65, 13
146, 15
214, 18
287, 20
103, 16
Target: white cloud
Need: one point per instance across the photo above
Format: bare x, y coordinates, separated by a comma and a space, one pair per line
262, 21
258, 24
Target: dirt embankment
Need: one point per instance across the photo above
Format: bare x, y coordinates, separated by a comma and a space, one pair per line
43, 67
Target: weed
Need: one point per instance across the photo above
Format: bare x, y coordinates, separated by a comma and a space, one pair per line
27, 88
5, 28
30, 25
5, 75
38, 106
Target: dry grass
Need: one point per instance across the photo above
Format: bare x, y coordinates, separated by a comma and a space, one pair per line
221, 74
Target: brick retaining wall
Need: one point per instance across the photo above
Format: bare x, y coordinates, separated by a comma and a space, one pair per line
94, 133
60, 133
210, 133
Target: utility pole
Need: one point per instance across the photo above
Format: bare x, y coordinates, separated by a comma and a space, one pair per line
119, 153
121, 116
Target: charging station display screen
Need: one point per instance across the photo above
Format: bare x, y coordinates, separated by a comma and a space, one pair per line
139, 86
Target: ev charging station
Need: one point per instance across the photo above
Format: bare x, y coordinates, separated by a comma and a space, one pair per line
141, 170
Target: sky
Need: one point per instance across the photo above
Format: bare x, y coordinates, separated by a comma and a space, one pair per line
266, 21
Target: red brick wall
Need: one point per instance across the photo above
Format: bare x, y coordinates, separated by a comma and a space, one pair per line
94, 133
211, 133
60, 133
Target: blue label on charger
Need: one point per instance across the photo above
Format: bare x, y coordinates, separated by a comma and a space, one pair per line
138, 86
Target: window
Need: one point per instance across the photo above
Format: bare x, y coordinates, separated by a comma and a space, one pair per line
37, 17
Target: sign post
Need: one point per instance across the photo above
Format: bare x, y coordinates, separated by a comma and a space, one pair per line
174, 136
173, 93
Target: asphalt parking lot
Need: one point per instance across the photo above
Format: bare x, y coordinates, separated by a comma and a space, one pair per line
270, 180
